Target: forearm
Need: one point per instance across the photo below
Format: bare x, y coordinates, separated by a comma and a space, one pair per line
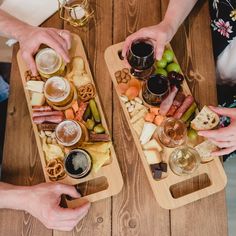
13, 197
11, 27
176, 13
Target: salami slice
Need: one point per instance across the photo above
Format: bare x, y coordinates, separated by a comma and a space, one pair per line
188, 101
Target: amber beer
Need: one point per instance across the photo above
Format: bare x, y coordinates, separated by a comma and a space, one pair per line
49, 63
58, 91
68, 133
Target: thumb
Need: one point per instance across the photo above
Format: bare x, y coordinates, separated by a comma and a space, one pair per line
223, 111
68, 190
159, 51
30, 62
126, 46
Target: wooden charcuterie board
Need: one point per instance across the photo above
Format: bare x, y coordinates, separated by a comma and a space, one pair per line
212, 171
108, 180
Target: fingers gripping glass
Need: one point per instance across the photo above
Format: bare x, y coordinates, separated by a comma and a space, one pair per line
141, 58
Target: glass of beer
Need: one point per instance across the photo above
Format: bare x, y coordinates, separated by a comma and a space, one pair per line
68, 133
184, 160
141, 58
78, 163
172, 132
49, 63
58, 91
155, 90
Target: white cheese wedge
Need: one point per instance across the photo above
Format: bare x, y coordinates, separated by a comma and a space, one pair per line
152, 144
138, 126
139, 115
147, 132
35, 86
37, 99
152, 156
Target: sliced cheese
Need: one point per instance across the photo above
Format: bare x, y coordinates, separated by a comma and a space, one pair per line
138, 107
35, 86
152, 144
139, 115
138, 126
37, 99
152, 156
147, 132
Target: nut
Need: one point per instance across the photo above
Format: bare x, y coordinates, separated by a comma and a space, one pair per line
138, 100
130, 109
125, 70
123, 98
49, 140
128, 77
54, 141
132, 102
48, 133
42, 134
117, 73
127, 104
119, 80
53, 135
122, 75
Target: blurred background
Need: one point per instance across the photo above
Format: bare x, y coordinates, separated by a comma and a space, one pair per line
5, 68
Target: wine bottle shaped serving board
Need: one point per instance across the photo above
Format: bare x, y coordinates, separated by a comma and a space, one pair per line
108, 180
212, 173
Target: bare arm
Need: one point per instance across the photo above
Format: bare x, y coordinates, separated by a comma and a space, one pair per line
163, 32
42, 201
176, 13
31, 37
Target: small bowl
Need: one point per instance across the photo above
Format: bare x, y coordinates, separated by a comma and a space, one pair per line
78, 163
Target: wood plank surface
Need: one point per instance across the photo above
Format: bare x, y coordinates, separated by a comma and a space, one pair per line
21, 163
96, 38
135, 211
193, 49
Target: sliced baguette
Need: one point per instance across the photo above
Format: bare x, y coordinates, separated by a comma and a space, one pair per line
204, 149
205, 120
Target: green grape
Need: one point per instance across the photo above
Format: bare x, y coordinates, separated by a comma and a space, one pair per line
162, 63
173, 67
161, 71
168, 55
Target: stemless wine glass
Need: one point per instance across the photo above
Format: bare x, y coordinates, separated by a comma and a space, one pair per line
155, 90
141, 58
184, 160
172, 132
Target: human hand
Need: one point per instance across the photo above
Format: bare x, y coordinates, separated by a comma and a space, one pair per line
159, 35
224, 138
32, 37
43, 203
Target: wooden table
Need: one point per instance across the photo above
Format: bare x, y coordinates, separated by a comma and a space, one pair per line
134, 211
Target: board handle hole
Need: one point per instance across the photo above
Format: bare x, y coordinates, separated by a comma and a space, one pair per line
90, 187
120, 55
190, 185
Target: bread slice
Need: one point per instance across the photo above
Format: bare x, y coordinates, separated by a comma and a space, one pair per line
204, 149
206, 119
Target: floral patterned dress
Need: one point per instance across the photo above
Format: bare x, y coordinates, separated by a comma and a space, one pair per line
223, 25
